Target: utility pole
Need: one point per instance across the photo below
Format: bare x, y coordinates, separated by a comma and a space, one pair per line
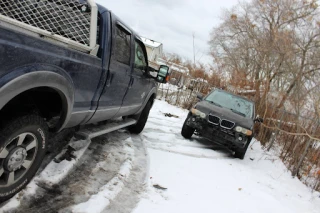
194, 54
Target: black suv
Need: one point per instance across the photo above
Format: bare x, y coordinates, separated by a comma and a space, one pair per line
225, 118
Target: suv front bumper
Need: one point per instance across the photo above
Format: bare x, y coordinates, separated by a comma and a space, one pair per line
216, 133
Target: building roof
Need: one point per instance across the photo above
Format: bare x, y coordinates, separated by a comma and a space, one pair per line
173, 66
150, 43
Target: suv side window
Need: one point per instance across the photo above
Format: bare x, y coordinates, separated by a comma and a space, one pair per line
140, 61
122, 48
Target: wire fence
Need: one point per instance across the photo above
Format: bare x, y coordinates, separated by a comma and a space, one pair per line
68, 19
296, 139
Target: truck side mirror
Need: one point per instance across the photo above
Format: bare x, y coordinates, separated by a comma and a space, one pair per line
163, 74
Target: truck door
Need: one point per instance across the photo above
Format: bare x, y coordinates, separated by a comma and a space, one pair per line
118, 74
140, 84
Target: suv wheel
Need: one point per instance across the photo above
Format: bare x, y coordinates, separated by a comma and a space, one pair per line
187, 131
240, 153
22, 149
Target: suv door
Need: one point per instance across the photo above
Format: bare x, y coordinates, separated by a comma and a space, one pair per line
118, 75
140, 84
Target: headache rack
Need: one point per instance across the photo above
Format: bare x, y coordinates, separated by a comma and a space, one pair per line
72, 23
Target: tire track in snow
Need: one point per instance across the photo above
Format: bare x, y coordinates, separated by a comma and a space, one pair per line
191, 155
136, 184
168, 138
108, 192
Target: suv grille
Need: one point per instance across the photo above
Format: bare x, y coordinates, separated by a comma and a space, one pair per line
227, 124
214, 119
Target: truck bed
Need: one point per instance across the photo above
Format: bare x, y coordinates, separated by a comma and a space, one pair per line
68, 21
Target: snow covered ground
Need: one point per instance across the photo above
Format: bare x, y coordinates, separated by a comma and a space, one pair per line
201, 177
159, 171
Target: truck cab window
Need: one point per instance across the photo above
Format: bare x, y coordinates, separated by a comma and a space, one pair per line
122, 48
140, 57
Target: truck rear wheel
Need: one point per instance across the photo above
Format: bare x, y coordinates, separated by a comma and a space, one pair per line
142, 120
23, 147
187, 131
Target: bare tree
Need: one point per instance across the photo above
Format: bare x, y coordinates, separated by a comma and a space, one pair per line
273, 47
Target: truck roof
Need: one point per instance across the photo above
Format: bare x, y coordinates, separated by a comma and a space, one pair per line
150, 42
102, 9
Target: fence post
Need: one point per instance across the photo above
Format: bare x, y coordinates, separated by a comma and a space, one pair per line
178, 97
296, 170
161, 85
167, 92
276, 133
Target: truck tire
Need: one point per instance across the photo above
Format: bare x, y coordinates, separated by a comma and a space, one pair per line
23, 142
240, 153
142, 120
187, 131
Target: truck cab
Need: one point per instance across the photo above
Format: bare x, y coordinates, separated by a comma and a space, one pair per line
127, 81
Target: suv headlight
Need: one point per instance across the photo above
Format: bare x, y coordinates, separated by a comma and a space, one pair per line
198, 113
243, 130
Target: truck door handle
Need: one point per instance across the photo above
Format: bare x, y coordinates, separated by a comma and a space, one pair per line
109, 79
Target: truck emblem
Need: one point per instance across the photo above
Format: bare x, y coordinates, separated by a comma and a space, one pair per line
143, 95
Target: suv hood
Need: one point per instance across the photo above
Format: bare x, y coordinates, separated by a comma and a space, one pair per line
224, 113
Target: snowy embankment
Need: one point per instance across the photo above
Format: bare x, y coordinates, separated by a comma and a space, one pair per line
197, 176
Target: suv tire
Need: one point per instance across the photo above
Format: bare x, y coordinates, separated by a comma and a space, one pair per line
187, 131
240, 153
23, 142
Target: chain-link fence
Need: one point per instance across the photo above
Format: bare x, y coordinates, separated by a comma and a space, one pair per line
182, 91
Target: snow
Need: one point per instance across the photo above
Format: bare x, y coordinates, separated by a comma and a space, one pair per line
56, 172
200, 177
51, 175
98, 202
196, 175
12, 204
170, 87
150, 43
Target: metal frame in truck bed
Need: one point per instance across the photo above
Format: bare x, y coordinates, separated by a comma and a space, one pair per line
72, 22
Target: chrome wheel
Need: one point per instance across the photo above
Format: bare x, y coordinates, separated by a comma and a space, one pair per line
17, 157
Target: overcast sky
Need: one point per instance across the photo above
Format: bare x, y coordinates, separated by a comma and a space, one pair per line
172, 22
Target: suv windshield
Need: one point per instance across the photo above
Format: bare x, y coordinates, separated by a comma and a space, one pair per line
236, 104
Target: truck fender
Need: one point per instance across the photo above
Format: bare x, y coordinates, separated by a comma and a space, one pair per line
152, 92
21, 80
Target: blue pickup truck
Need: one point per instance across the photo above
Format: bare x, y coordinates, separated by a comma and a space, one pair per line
47, 86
